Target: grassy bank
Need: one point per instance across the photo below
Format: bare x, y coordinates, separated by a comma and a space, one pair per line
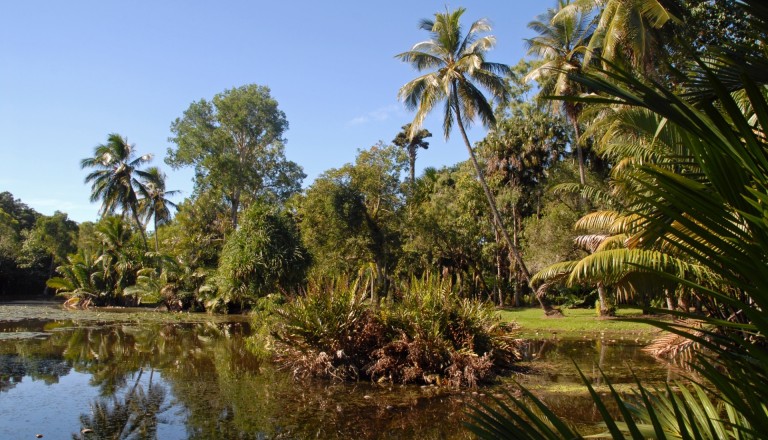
577, 323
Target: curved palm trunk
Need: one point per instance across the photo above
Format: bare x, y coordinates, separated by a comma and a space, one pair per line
134, 211
498, 224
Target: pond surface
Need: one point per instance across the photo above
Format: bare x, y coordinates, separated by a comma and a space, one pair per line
127, 375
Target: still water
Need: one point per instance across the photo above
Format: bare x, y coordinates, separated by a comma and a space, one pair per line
105, 375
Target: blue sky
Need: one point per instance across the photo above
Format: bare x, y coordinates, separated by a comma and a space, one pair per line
73, 72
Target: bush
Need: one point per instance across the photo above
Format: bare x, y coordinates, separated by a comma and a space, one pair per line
265, 255
430, 336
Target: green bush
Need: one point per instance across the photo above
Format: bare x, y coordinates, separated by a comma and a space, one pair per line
429, 336
265, 255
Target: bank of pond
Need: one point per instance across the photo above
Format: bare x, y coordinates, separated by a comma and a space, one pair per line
109, 374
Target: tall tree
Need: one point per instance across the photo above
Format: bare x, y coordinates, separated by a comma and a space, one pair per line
411, 144
235, 142
154, 202
561, 47
626, 30
351, 215
459, 63
114, 180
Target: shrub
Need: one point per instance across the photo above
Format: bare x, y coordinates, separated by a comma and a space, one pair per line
430, 336
265, 255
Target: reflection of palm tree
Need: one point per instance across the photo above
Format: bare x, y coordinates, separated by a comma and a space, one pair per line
412, 143
114, 181
132, 417
154, 202
460, 63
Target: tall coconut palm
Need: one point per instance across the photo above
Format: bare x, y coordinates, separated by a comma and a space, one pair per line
561, 47
625, 29
459, 68
114, 180
412, 145
154, 202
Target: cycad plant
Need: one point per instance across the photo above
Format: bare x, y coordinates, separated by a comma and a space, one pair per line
716, 219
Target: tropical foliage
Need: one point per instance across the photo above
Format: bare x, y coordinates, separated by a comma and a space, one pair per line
698, 221
430, 336
634, 167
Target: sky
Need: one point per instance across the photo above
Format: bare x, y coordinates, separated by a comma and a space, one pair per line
72, 72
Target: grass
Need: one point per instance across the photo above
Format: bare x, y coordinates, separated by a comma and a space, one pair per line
576, 323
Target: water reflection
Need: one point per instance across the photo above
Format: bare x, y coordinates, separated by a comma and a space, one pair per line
199, 380
131, 416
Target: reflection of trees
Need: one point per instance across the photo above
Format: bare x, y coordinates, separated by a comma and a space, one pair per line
34, 358
132, 416
213, 382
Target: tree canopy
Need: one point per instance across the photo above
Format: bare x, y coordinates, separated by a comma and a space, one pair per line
235, 143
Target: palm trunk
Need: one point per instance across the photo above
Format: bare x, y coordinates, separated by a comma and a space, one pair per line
412, 163
579, 151
134, 210
604, 311
157, 242
491, 202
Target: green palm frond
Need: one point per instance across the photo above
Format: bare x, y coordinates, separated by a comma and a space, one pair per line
553, 272
598, 221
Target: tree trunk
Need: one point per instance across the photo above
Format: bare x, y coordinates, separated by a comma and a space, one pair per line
235, 207
135, 212
579, 151
412, 163
489, 196
670, 300
499, 273
157, 242
604, 309
50, 273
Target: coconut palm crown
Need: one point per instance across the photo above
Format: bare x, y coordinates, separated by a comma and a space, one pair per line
459, 67
114, 180
459, 70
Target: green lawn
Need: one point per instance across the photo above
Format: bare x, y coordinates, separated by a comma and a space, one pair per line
576, 323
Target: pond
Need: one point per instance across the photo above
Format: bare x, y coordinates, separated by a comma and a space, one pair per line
106, 374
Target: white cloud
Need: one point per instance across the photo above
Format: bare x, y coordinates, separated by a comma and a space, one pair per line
380, 114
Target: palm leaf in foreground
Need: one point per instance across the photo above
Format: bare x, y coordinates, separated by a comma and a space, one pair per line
719, 222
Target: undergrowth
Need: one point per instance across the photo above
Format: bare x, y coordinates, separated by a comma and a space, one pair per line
426, 335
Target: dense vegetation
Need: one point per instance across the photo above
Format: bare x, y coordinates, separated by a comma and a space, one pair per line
625, 162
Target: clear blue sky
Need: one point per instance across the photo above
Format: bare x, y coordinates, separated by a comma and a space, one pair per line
72, 72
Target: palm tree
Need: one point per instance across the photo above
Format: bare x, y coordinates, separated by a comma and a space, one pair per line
459, 63
114, 181
154, 202
412, 145
625, 29
561, 46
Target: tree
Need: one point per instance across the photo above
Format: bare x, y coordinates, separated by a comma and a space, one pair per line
561, 46
411, 144
154, 202
519, 155
351, 217
460, 63
52, 239
114, 181
235, 142
265, 255
626, 30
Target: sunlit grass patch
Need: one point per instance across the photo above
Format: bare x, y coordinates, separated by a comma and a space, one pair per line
576, 323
